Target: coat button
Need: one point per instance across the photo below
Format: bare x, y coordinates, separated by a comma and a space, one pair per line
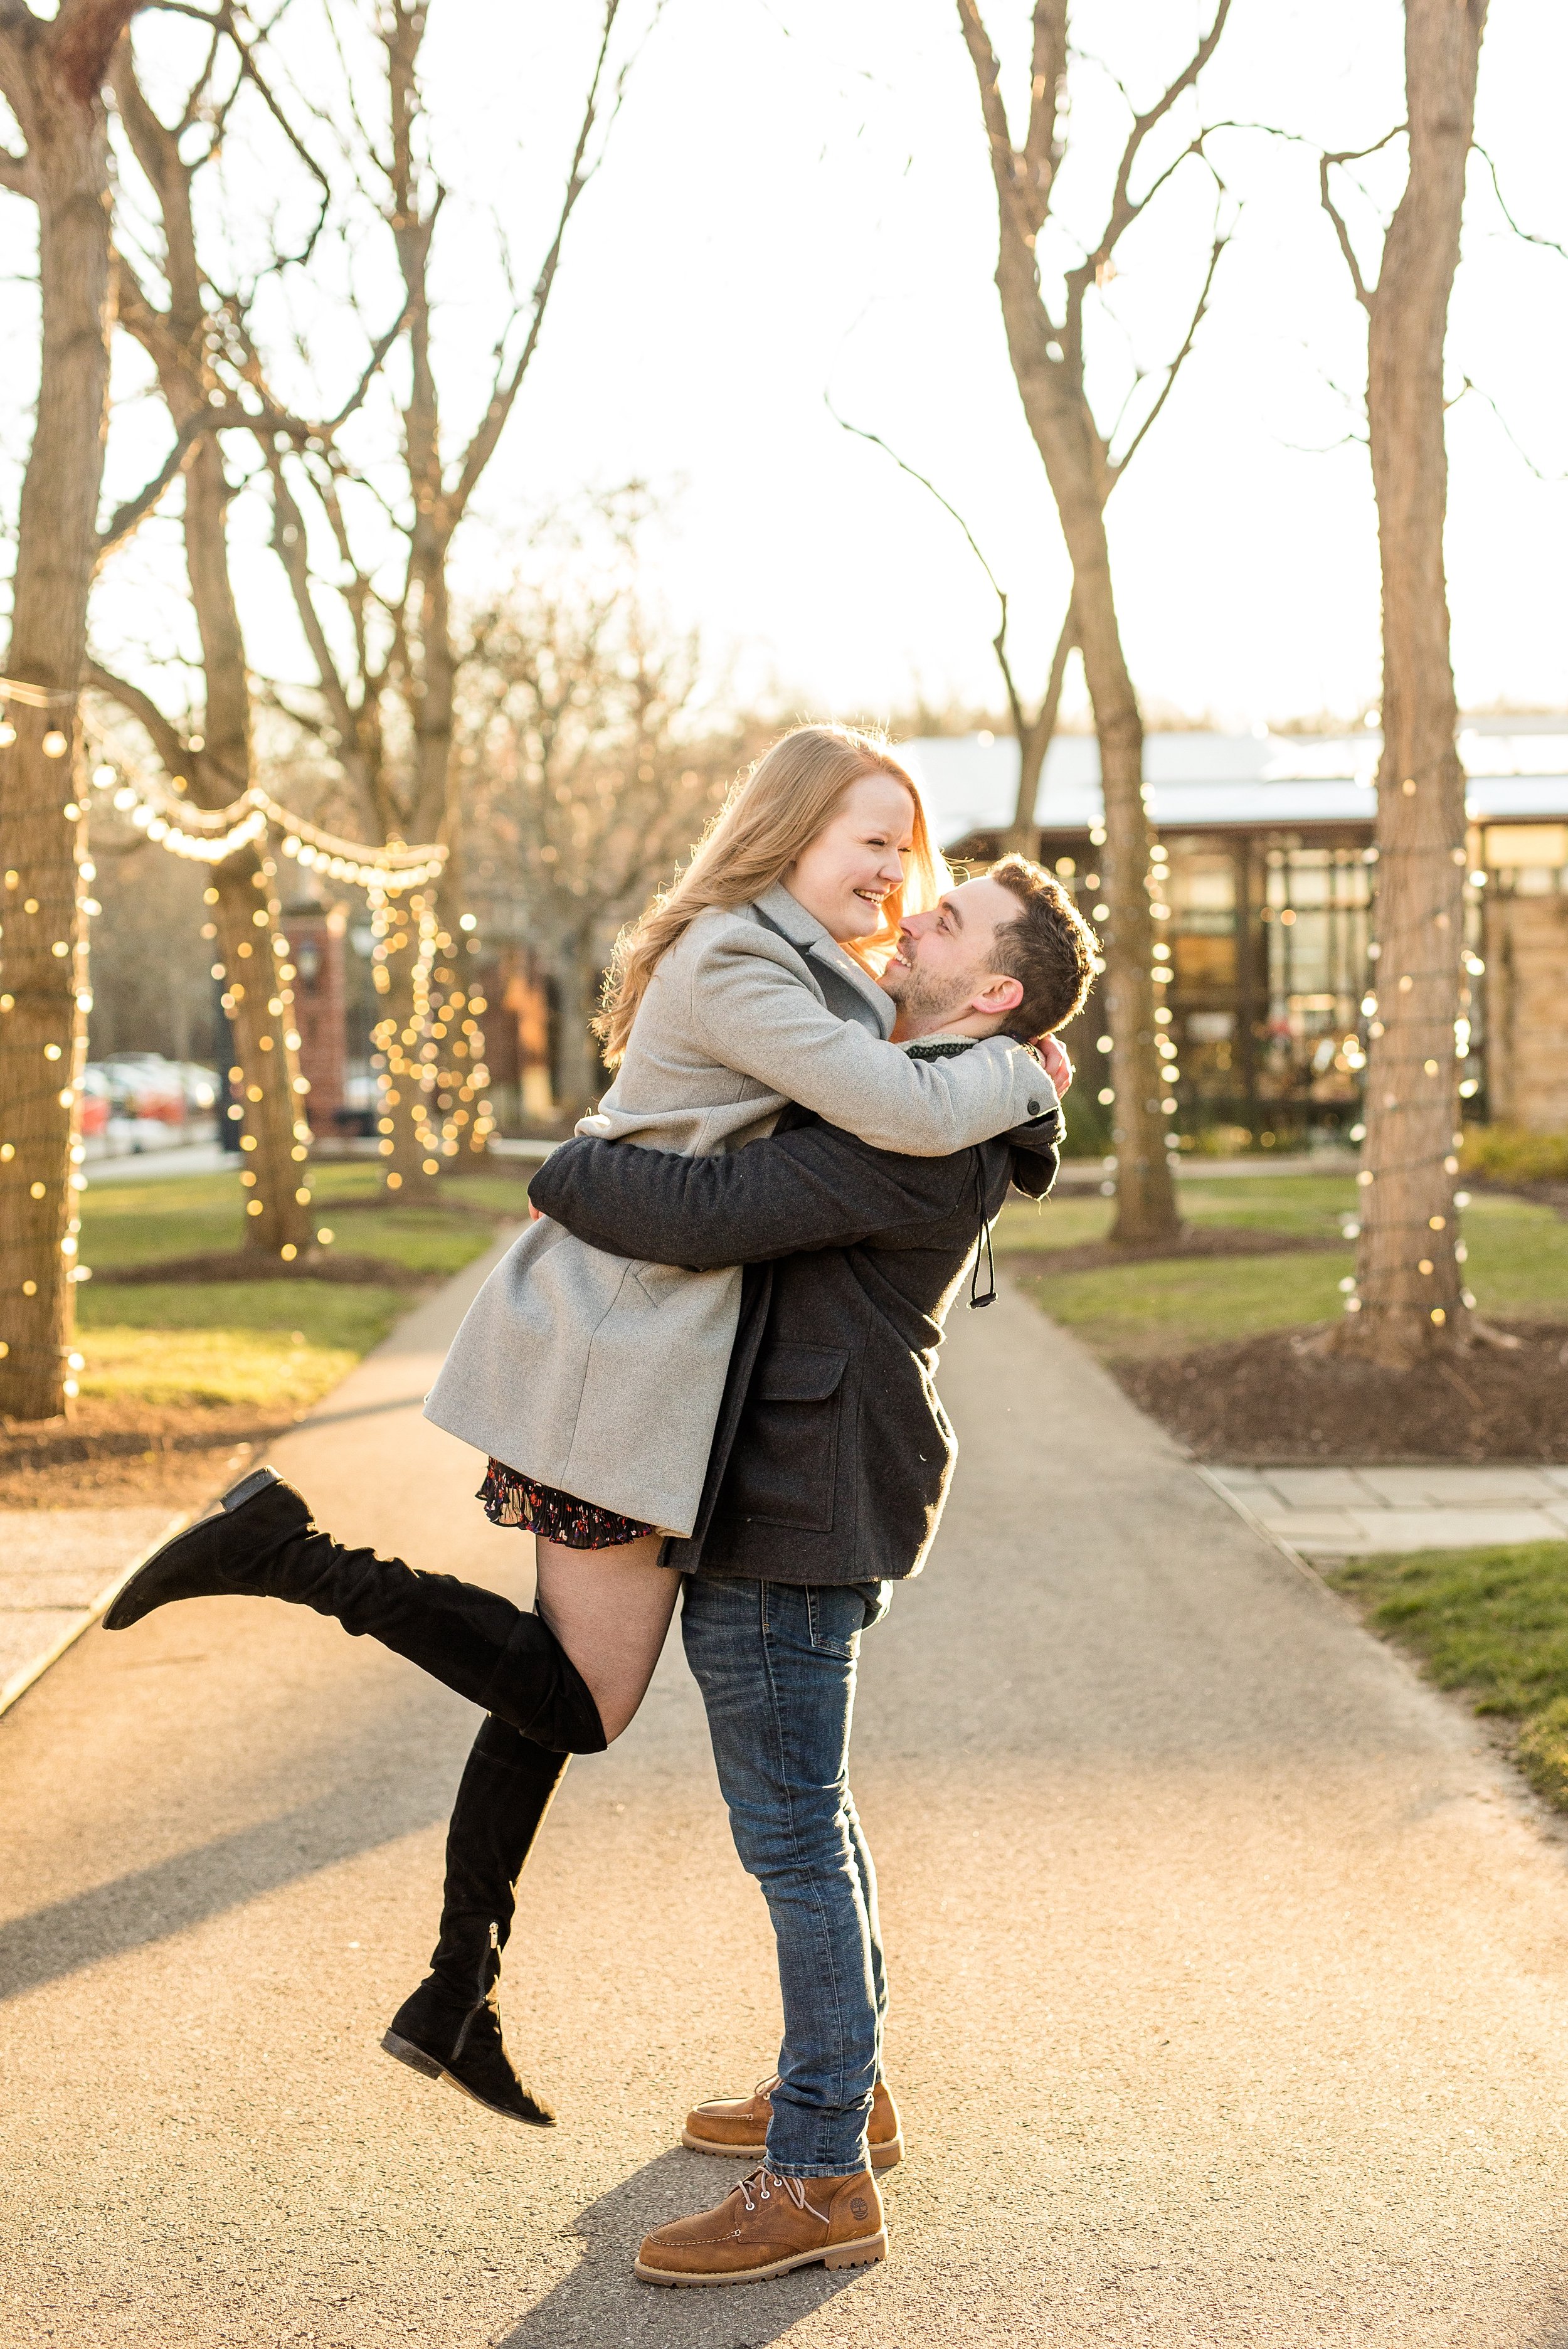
1034, 1108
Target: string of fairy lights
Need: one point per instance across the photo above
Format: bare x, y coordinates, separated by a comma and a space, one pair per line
432, 1063
1431, 1057
1157, 881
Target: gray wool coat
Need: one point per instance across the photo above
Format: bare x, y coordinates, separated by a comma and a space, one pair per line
603, 1376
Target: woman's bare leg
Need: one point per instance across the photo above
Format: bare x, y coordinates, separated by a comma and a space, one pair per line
610, 1610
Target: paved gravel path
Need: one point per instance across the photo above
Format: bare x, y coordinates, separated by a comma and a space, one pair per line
1230, 1972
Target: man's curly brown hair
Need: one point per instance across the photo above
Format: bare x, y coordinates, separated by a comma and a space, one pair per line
1050, 949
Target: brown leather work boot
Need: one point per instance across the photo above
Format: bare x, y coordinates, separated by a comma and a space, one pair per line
767, 2226
738, 2126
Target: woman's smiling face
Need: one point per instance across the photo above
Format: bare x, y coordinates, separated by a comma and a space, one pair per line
857, 858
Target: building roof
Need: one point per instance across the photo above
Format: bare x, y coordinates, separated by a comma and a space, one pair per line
1516, 770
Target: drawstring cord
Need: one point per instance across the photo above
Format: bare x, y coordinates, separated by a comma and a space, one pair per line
983, 1238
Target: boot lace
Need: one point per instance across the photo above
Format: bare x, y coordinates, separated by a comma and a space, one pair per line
766, 2182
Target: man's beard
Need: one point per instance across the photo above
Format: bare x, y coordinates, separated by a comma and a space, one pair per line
922, 995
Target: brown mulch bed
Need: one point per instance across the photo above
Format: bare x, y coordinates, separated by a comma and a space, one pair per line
109, 1429
111, 1453
1197, 1239
1270, 1399
236, 1263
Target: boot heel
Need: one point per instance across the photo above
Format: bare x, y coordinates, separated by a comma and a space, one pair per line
248, 1487
415, 2057
858, 2254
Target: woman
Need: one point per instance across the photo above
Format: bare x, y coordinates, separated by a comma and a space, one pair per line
751, 984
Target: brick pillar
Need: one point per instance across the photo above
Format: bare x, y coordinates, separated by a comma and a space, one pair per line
1527, 986
528, 1003
316, 951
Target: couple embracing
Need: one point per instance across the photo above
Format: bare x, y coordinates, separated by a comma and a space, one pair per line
705, 1372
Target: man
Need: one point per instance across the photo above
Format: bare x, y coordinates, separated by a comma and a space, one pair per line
829, 1472
826, 1482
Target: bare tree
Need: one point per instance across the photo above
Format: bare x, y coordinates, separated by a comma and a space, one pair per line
51, 76
1083, 461
386, 657
1032, 735
1410, 1297
592, 781
187, 338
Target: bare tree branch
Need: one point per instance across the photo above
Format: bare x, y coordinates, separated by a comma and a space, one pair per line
1513, 441
487, 436
82, 36
135, 510
1326, 162
1175, 369
1524, 235
164, 735
1024, 729
1020, 204
1125, 209
13, 172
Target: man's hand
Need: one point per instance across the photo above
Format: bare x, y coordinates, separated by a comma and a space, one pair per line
1058, 1068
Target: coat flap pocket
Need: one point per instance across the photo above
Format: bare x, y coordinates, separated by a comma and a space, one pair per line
798, 1374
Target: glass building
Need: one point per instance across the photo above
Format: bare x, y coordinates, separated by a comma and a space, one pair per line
1263, 881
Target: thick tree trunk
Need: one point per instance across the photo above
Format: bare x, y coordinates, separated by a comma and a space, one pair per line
1034, 746
275, 1134
1047, 366
1410, 1293
259, 999
402, 1037
43, 1006
1146, 1209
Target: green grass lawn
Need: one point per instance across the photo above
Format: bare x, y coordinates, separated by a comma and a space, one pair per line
198, 1215
270, 1346
1490, 1624
1518, 1265
275, 1346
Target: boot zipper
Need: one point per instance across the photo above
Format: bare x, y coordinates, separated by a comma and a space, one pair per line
483, 1983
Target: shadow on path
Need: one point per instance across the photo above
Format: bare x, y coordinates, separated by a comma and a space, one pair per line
149, 1903
601, 2300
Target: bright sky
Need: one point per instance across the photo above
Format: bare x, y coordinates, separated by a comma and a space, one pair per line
797, 197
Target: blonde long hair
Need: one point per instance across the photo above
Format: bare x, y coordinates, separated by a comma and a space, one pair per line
769, 817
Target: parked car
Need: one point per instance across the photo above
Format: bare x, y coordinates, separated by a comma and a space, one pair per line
133, 1102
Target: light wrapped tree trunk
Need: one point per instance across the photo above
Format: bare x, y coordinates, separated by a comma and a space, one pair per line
43, 1046
258, 998
1410, 1297
50, 73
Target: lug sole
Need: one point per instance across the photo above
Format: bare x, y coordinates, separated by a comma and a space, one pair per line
862, 2253
883, 2157
428, 2068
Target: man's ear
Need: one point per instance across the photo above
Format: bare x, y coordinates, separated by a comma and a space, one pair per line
997, 997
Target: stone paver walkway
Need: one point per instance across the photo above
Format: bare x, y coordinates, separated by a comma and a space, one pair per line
58, 1568
1331, 1513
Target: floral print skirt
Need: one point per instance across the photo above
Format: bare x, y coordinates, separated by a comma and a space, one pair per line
511, 1499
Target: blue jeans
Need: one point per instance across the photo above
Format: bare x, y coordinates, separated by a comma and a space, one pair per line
775, 1665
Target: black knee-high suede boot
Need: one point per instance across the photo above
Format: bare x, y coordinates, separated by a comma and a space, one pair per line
264, 1543
451, 2028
